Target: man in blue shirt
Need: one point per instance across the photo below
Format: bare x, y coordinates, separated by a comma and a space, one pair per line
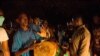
23, 38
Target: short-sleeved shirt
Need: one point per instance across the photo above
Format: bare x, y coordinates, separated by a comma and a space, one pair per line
23, 39
3, 36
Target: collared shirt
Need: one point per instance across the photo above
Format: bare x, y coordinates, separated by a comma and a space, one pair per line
23, 39
80, 42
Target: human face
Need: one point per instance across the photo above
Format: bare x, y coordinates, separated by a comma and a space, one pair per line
77, 22
23, 20
45, 23
36, 21
96, 20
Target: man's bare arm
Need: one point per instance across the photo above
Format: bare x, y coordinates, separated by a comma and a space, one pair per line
18, 53
5, 48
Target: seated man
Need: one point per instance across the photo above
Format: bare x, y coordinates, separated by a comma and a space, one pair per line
4, 50
23, 38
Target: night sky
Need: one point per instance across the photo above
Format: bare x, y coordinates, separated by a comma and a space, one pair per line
54, 10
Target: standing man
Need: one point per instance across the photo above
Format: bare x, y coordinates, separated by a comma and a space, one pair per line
4, 49
23, 38
80, 42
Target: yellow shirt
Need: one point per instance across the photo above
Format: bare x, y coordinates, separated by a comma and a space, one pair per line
80, 42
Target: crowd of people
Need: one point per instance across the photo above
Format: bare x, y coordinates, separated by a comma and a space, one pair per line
73, 39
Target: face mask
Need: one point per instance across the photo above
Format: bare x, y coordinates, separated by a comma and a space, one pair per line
1, 20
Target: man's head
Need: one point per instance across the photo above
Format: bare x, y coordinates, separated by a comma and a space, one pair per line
1, 13
45, 23
1, 17
23, 19
96, 19
77, 21
36, 20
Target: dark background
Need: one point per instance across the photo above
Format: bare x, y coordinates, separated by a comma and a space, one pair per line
56, 11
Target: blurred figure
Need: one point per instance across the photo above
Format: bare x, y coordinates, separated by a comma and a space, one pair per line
52, 32
4, 49
24, 38
60, 37
96, 36
96, 21
47, 28
80, 42
44, 30
35, 24
96, 43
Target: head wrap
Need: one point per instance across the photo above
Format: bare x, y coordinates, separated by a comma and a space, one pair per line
1, 20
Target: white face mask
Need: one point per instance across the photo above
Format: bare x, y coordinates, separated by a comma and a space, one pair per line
1, 20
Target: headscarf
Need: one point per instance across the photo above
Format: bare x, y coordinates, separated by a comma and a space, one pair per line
1, 20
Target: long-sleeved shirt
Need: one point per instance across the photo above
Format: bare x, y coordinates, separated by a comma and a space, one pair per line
80, 42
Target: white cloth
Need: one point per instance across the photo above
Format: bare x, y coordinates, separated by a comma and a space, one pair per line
3, 35
80, 42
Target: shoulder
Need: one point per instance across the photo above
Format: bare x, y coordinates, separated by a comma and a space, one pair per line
81, 31
31, 25
2, 30
17, 33
85, 32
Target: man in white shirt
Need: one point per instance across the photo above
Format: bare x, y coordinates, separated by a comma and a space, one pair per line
4, 50
80, 39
